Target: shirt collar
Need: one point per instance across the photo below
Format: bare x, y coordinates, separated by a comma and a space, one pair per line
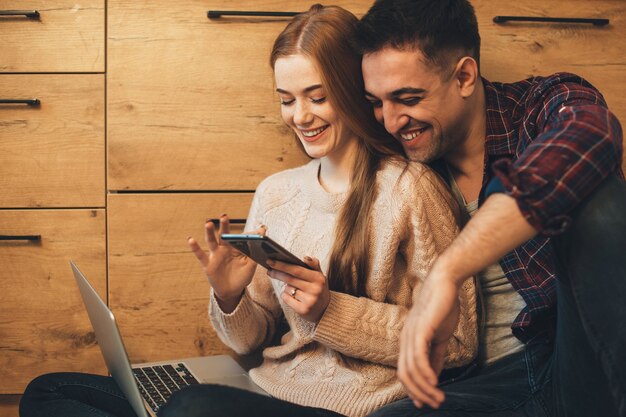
501, 138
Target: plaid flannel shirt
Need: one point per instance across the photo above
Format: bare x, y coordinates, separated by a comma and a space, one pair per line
550, 142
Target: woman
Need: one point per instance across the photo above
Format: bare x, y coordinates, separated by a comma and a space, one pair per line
374, 224
369, 225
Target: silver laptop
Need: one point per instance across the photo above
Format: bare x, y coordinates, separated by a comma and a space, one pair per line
148, 385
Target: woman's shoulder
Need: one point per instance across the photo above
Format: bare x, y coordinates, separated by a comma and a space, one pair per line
407, 175
284, 186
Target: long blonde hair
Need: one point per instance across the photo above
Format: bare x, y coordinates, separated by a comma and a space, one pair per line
324, 34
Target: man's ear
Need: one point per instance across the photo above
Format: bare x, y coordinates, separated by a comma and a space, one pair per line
466, 74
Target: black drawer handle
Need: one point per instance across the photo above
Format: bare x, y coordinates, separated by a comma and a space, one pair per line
31, 238
31, 14
213, 14
30, 101
595, 22
216, 222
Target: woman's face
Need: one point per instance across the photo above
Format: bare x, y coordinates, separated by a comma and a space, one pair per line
306, 109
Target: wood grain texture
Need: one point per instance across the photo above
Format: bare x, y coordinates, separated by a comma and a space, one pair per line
9, 405
190, 100
43, 324
53, 154
69, 36
157, 289
516, 50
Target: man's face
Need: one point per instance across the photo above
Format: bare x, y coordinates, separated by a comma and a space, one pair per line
418, 103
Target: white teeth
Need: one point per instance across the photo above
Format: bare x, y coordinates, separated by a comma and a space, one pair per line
311, 133
412, 135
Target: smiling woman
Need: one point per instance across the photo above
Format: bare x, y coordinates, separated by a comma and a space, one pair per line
306, 110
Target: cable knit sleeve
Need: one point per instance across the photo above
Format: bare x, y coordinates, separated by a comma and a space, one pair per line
423, 217
362, 328
443, 228
253, 323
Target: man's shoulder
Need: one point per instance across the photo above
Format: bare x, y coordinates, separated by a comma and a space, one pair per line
536, 88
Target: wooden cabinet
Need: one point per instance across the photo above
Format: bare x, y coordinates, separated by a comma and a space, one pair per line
157, 289
68, 36
52, 182
52, 153
44, 327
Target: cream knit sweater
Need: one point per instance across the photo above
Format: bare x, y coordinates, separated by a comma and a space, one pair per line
346, 363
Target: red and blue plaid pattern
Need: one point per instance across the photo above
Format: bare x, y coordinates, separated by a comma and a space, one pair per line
550, 142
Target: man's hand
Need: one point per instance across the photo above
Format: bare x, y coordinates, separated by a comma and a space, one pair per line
428, 327
497, 228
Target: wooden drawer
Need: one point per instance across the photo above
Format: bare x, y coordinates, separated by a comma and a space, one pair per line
67, 37
157, 289
190, 100
9, 405
44, 326
52, 154
517, 50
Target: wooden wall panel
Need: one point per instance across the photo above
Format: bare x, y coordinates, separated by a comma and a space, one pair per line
52, 154
9, 405
191, 102
43, 324
157, 289
68, 36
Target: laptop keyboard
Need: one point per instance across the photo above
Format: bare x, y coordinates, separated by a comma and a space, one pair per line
157, 383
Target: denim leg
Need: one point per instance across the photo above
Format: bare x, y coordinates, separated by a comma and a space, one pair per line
590, 360
515, 386
209, 400
72, 395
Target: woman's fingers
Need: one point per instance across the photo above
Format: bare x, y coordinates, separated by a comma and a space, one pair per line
197, 251
291, 280
295, 293
209, 235
313, 263
297, 271
224, 224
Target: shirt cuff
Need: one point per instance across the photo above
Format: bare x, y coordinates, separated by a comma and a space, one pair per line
528, 189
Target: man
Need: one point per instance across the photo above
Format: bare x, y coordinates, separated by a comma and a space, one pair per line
537, 166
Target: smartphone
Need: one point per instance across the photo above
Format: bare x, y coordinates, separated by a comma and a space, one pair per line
261, 248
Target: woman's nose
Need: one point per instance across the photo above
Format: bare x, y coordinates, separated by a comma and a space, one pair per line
302, 114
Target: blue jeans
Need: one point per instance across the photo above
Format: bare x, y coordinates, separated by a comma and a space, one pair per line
74, 394
583, 373
220, 401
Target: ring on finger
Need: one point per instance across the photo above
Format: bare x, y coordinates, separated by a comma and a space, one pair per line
293, 292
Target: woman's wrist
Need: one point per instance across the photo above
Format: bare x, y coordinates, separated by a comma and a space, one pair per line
228, 304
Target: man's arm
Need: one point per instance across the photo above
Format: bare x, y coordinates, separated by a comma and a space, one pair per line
497, 228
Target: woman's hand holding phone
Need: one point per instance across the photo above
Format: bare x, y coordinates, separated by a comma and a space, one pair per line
307, 291
229, 271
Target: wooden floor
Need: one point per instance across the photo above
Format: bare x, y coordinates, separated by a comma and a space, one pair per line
8, 405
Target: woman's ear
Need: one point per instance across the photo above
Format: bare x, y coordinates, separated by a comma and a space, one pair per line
466, 73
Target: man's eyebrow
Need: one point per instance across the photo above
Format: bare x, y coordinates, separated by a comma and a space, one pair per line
306, 90
407, 90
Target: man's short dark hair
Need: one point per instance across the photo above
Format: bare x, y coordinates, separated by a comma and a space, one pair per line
438, 28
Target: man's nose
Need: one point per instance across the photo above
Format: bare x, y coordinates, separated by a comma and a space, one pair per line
393, 120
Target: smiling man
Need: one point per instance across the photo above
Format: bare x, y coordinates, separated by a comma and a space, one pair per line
536, 164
